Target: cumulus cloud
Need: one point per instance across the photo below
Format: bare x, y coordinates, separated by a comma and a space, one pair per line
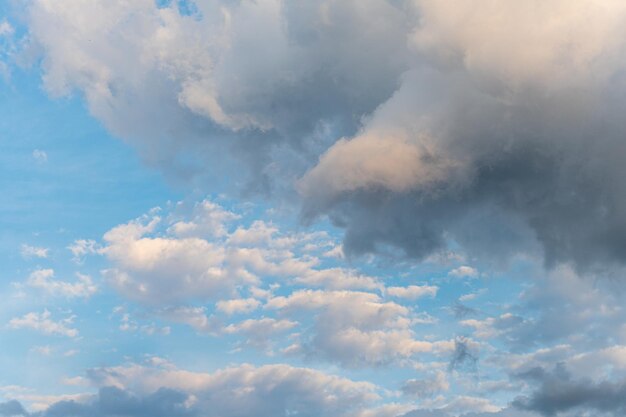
261, 332
157, 261
464, 271
353, 328
82, 247
44, 323
179, 256
28, 251
43, 279
424, 388
40, 156
238, 305
413, 292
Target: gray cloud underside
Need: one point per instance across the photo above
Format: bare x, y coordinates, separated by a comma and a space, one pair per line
432, 122
559, 392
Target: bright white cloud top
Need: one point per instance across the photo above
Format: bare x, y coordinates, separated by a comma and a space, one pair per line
335, 208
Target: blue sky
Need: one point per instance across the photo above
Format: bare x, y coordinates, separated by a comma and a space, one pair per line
220, 208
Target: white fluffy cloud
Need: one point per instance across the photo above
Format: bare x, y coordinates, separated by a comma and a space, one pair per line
413, 292
28, 251
353, 328
43, 279
194, 254
43, 322
238, 305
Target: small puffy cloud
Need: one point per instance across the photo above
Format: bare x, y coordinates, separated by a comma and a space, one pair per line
195, 317
464, 271
42, 350
206, 219
413, 292
42, 322
465, 404
129, 325
82, 247
28, 251
238, 306
6, 28
43, 279
338, 279
260, 332
40, 156
471, 296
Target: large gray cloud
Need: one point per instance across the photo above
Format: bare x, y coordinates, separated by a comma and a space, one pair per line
12, 408
506, 125
263, 79
493, 125
558, 392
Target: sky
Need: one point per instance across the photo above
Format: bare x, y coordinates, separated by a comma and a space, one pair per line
331, 208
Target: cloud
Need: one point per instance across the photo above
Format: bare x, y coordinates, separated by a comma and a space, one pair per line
202, 75
464, 271
494, 126
238, 306
161, 389
557, 392
353, 328
28, 251
260, 332
12, 408
82, 247
153, 264
413, 292
181, 255
43, 279
424, 388
195, 317
520, 166
338, 279
43, 323
40, 156
592, 308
